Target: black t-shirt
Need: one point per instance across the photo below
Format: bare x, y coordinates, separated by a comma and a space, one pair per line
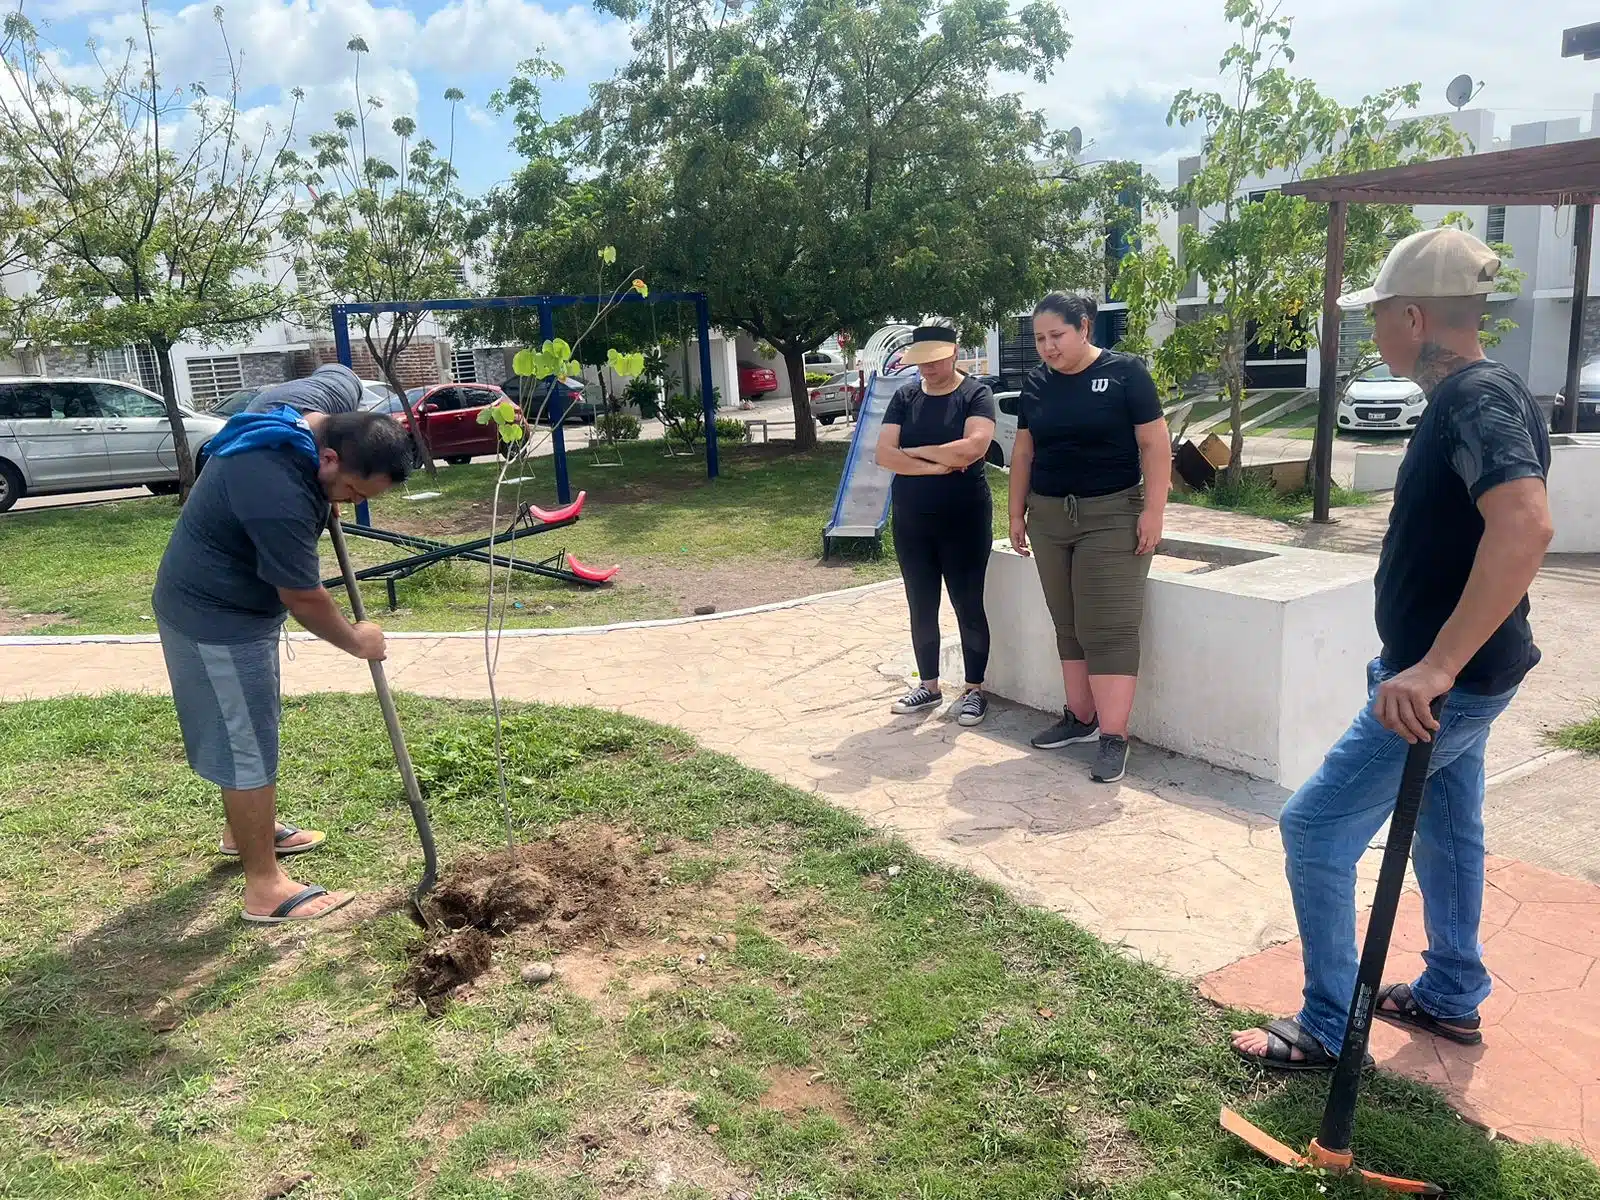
926, 420
1082, 425
1481, 429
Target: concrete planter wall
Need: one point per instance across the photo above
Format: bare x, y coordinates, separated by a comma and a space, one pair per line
1255, 663
1575, 492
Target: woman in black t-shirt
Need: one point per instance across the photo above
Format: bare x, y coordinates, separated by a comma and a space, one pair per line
1089, 426
936, 434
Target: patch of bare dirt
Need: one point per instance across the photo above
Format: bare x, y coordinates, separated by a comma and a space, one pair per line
738, 583
439, 1129
651, 1149
576, 887
14, 622
796, 1091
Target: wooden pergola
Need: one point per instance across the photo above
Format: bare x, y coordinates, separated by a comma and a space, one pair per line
1556, 175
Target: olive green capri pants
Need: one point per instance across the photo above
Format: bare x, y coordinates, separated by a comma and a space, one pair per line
1094, 577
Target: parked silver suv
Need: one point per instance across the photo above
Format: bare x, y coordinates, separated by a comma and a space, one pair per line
85, 435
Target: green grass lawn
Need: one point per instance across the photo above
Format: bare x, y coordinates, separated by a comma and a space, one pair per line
878, 1027
751, 536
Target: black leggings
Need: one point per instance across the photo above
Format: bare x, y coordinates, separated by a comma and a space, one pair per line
952, 547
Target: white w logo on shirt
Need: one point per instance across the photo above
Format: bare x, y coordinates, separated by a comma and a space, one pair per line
1099, 385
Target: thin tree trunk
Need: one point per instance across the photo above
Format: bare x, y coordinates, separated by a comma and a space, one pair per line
180, 435
805, 427
386, 364
1233, 378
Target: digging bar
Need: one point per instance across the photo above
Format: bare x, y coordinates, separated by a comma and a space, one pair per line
380, 683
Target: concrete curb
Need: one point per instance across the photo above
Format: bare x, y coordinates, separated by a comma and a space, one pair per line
147, 639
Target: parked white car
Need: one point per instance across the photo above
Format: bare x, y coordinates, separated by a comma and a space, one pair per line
1378, 400
1005, 429
86, 435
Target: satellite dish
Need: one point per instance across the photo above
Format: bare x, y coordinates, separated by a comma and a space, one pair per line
1074, 141
1461, 90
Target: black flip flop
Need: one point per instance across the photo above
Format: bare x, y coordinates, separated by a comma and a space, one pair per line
283, 914
279, 837
1408, 1014
1283, 1038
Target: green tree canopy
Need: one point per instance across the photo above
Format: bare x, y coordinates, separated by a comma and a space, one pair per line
817, 166
1260, 261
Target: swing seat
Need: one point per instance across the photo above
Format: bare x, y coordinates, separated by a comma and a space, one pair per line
588, 573
567, 512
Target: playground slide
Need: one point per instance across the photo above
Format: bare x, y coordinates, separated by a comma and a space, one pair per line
861, 507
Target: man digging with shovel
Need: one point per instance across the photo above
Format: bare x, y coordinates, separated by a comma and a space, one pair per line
242, 557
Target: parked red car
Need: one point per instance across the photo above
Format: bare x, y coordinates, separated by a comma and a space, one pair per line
755, 382
449, 416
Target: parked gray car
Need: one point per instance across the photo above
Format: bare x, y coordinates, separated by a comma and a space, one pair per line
86, 435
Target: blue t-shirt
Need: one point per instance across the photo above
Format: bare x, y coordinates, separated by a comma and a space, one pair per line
1482, 428
249, 528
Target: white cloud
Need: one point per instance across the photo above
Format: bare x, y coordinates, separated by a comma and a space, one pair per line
494, 35
285, 44
1128, 60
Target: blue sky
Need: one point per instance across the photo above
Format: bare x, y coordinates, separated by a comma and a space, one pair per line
1127, 60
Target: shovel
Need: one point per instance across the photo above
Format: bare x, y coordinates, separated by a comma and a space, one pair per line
380, 683
1330, 1149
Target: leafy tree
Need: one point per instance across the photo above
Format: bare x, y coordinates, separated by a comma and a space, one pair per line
1260, 262
380, 227
142, 213
817, 166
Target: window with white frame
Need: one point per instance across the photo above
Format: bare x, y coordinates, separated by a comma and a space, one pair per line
214, 379
463, 367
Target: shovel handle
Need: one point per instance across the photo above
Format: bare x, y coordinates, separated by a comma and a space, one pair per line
391, 718
1338, 1116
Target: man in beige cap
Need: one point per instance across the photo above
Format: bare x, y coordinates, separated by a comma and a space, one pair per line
1466, 536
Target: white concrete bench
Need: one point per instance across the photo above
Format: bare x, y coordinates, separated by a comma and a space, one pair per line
1575, 492
1254, 660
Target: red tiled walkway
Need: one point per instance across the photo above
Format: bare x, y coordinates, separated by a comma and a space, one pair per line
1537, 1073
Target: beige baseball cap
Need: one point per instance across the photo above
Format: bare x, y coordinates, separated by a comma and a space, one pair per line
1435, 262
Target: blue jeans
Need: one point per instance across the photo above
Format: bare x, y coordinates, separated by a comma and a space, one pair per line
1330, 821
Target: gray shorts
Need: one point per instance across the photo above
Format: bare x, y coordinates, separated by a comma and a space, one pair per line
228, 705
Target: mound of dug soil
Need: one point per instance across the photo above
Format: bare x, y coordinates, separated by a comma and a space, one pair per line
573, 888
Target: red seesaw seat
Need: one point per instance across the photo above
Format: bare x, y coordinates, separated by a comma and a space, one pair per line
567, 512
591, 574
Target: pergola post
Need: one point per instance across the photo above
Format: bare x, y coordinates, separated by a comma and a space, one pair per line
1583, 238
1328, 383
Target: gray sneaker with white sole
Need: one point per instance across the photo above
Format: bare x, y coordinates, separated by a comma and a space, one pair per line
1069, 731
1111, 760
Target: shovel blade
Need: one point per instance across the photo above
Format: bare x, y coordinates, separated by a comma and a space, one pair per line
1261, 1141
1393, 1183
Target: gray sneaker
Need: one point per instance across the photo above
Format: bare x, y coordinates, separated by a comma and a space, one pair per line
1111, 761
1069, 731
